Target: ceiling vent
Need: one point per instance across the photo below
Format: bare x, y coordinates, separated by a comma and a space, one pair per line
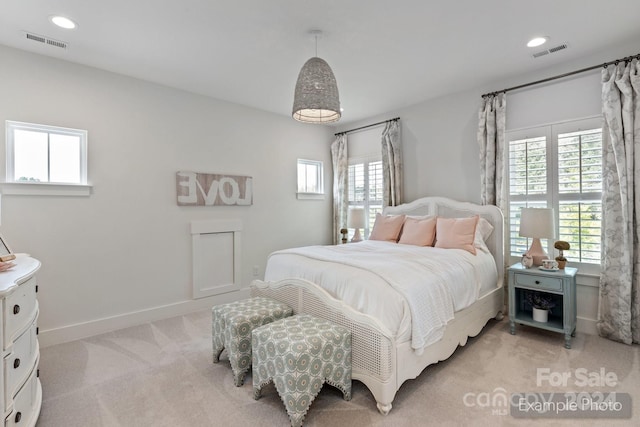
550, 50
46, 40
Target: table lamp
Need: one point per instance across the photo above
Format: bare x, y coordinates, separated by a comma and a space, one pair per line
356, 220
537, 223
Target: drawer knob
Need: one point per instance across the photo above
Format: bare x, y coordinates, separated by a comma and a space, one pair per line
537, 282
16, 363
16, 309
18, 417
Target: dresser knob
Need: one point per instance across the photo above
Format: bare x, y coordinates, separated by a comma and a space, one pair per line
16, 309
16, 363
537, 282
18, 417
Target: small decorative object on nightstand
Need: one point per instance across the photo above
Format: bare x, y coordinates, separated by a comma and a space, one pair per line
527, 261
554, 289
561, 246
344, 233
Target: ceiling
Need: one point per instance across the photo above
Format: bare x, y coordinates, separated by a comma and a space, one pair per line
385, 54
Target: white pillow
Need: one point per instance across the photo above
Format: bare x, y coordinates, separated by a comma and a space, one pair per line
483, 231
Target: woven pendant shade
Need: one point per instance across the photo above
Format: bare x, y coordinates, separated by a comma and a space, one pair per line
316, 98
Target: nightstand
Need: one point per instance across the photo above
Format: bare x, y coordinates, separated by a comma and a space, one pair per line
560, 285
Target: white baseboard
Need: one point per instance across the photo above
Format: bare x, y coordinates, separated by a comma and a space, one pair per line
78, 331
586, 326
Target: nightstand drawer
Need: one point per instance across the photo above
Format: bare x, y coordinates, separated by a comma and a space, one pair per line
539, 282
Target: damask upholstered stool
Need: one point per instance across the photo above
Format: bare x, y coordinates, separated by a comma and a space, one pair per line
299, 354
232, 325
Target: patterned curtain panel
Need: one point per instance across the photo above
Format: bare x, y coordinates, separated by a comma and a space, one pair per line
619, 307
491, 129
340, 185
391, 164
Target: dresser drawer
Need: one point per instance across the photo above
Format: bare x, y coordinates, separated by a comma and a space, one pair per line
25, 404
20, 362
538, 282
19, 308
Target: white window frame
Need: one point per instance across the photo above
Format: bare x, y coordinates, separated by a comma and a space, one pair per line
552, 197
311, 195
366, 203
14, 187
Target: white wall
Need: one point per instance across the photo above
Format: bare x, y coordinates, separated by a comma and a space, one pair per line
439, 136
123, 254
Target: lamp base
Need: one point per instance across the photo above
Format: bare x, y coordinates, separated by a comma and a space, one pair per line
358, 238
536, 252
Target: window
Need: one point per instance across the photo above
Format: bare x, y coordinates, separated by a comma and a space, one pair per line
310, 178
559, 166
46, 154
365, 189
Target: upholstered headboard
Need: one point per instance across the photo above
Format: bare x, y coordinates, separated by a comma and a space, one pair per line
441, 206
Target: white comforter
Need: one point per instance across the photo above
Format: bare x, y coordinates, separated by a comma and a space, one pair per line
414, 291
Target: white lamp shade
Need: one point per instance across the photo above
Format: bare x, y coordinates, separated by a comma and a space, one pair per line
356, 218
537, 223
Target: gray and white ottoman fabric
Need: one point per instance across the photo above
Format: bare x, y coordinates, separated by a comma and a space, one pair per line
299, 354
232, 324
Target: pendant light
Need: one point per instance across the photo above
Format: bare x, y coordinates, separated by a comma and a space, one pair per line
316, 97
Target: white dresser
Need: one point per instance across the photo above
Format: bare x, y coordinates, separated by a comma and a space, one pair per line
21, 393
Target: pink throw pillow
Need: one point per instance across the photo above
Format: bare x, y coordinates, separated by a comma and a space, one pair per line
456, 233
387, 228
419, 232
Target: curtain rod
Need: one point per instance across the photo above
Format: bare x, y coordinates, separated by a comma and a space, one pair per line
367, 126
559, 76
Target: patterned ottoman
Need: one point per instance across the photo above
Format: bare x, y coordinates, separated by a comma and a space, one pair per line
299, 354
232, 326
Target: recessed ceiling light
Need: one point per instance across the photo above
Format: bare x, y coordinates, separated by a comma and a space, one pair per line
63, 22
537, 41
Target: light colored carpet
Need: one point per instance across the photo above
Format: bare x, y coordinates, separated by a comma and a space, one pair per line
161, 374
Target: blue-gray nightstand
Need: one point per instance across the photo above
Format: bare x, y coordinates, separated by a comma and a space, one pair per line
560, 285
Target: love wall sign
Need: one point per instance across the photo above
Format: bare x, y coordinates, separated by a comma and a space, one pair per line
207, 189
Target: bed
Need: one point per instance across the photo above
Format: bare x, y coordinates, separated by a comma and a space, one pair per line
390, 344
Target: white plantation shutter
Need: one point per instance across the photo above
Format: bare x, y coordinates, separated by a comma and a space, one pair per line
558, 166
528, 184
580, 193
356, 184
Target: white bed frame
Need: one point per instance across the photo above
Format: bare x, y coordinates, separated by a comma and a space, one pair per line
377, 360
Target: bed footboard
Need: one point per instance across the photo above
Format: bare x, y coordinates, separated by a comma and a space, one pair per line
373, 347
